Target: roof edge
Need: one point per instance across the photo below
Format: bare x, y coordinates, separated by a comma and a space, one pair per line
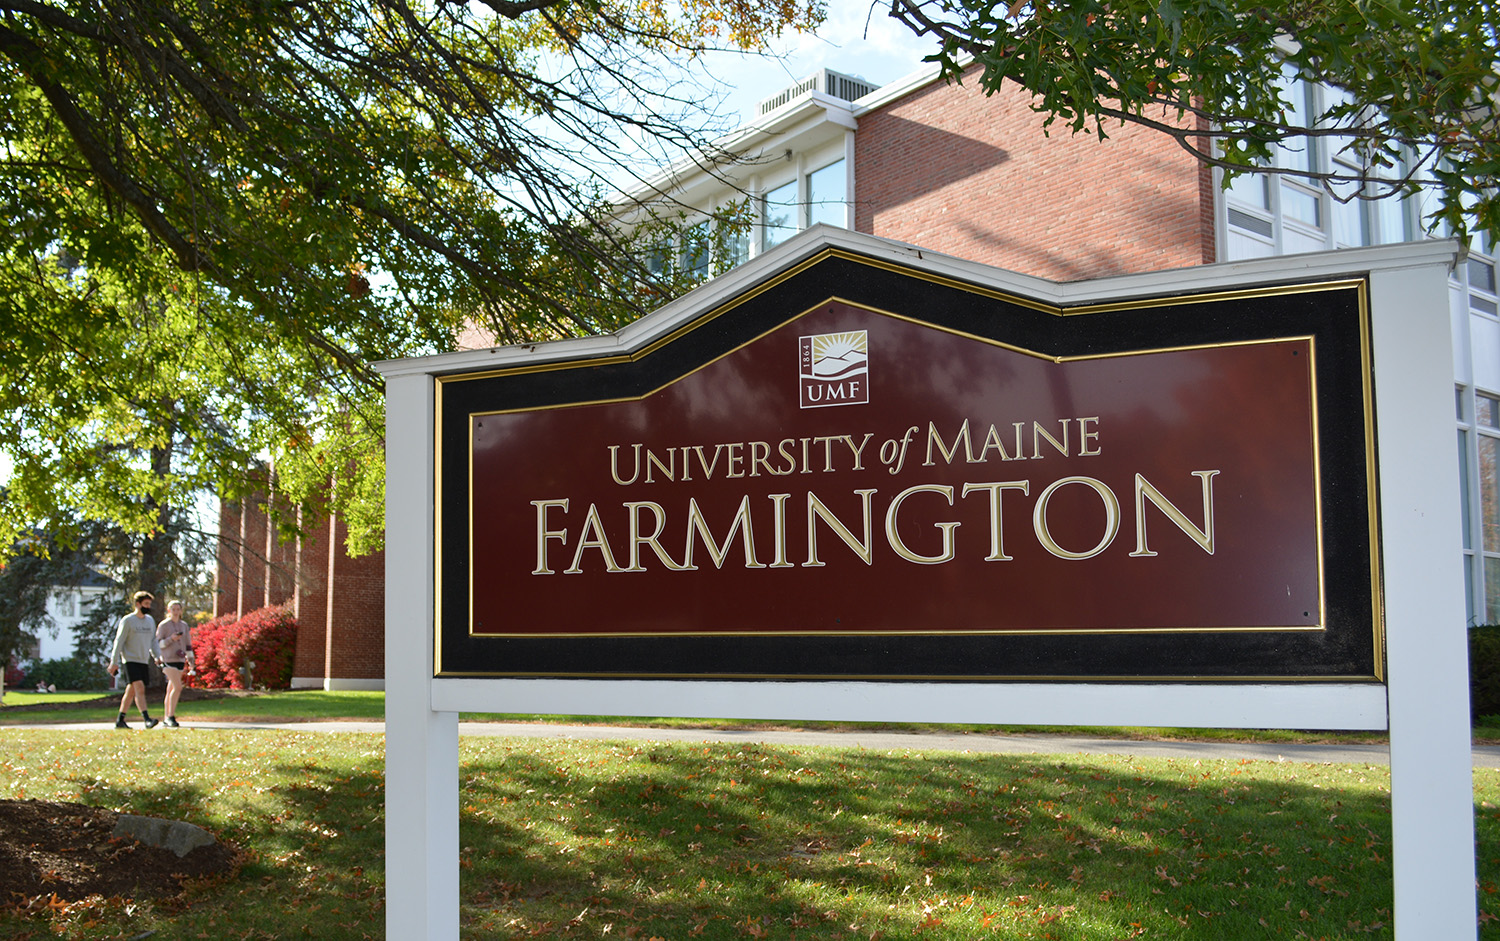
807, 245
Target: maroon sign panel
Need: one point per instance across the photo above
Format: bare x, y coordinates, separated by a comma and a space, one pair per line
853, 472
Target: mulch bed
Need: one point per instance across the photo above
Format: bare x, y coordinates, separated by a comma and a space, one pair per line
49, 848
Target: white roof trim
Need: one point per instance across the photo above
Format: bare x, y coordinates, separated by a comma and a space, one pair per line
1344, 263
906, 85
805, 111
796, 115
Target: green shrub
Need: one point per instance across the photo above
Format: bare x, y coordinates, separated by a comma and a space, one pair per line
69, 673
1484, 670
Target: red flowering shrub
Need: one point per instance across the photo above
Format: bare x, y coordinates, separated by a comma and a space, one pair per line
14, 676
223, 646
208, 654
267, 638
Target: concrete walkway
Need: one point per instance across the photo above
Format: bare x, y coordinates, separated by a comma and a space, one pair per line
1485, 756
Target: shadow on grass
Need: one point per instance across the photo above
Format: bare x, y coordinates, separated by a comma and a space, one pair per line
730, 841
673, 841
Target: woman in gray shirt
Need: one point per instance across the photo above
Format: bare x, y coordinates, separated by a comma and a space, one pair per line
174, 641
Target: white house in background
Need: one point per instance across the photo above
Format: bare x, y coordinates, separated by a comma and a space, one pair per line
68, 607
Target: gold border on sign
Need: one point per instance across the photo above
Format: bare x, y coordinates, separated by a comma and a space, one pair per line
1377, 601
1121, 678
1319, 625
437, 530
1372, 488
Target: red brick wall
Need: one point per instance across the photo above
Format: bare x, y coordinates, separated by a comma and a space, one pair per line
312, 608
358, 614
949, 169
358, 637
243, 572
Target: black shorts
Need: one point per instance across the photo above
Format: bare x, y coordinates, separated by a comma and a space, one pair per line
174, 664
136, 672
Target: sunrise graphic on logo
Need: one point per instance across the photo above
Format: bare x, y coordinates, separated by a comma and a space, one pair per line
839, 355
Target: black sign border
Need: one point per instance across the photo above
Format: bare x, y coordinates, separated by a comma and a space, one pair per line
1350, 649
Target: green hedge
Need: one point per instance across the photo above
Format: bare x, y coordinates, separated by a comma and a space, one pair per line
71, 673
1484, 670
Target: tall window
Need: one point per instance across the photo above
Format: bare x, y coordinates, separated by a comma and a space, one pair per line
779, 215
697, 250
1487, 425
736, 250
1465, 486
1301, 202
819, 196
826, 195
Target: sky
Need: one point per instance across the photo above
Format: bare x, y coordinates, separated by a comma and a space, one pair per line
858, 38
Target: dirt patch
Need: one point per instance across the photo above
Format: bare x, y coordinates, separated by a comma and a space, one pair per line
49, 848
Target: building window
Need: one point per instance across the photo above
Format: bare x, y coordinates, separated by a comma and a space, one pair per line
1286, 214
1480, 499
821, 196
659, 261
826, 195
697, 250
708, 247
1479, 435
779, 215
736, 250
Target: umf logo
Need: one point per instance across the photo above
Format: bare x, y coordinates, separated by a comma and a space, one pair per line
834, 369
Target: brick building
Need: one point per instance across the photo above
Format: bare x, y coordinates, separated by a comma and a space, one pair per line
946, 168
338, 601
994, 188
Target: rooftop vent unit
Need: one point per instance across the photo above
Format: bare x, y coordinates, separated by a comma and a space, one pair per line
827, 81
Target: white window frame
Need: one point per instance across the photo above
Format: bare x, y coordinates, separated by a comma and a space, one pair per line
1283, 229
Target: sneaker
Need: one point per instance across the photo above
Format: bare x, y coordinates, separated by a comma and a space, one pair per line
121, 724
172, 722
151, 723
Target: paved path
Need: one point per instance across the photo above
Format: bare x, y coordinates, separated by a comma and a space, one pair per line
1485, 756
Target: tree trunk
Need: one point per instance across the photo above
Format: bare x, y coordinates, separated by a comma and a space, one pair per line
156, 551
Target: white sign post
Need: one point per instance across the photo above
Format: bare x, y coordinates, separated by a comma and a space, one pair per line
1432, 791
1424, 703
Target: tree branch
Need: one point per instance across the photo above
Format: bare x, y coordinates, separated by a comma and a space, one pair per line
516, 10
30, 59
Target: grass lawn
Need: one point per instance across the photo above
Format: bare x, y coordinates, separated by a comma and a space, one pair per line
289, 705
21, 697
612, 840
313, 705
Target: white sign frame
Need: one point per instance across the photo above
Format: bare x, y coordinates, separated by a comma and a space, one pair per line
1424, 703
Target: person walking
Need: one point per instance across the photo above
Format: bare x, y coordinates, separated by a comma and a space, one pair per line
172, 638
136, 647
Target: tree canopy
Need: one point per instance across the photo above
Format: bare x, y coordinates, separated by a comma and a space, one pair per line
216, 215
1417, 101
